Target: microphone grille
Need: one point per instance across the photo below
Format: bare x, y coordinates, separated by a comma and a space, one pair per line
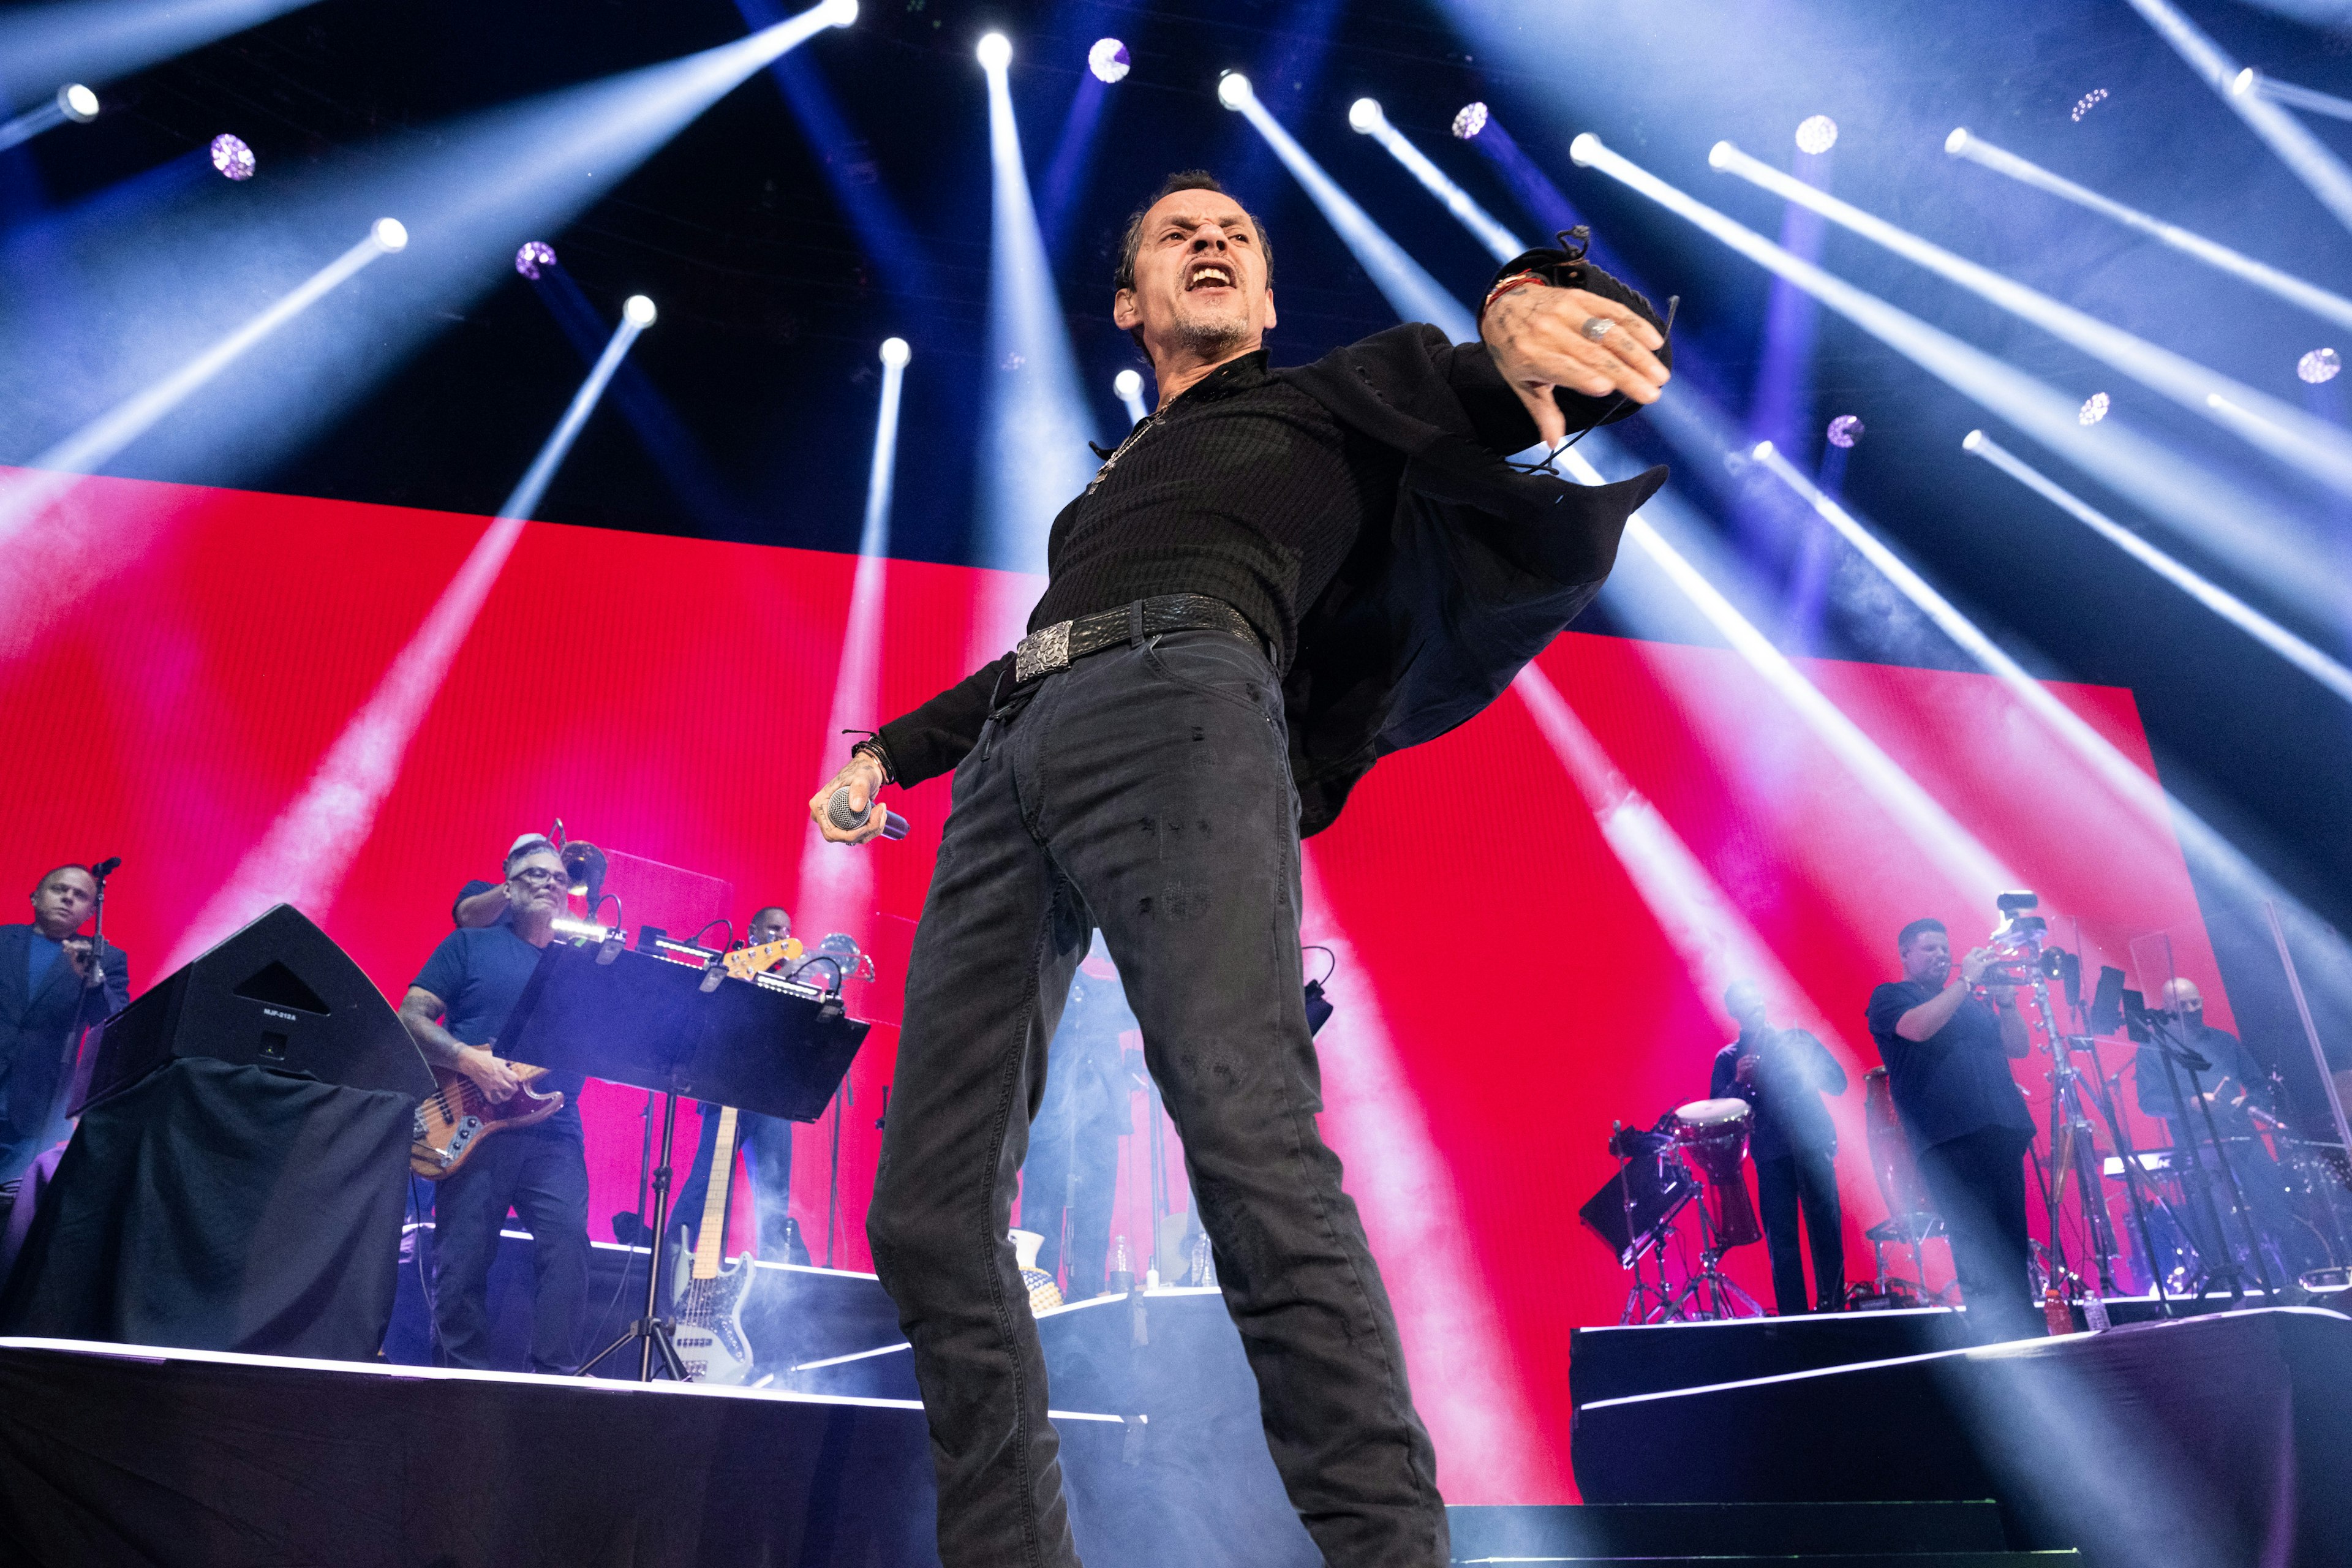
844, 818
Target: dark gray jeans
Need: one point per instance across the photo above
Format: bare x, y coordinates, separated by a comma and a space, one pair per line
1146, 790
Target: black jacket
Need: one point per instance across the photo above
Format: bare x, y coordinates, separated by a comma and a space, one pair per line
1481, 567
36, 1031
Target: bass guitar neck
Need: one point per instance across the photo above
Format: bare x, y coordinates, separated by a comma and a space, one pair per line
452, 1121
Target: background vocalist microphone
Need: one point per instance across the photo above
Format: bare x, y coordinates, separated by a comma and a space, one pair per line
849, 820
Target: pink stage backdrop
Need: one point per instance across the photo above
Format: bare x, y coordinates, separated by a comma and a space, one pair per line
1506, 989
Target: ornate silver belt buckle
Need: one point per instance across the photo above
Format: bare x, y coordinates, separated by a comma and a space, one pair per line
1041, 652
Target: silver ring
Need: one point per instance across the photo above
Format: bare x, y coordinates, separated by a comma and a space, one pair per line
1597, 327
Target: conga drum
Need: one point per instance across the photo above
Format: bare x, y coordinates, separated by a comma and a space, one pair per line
1890, 1151
1713, 1136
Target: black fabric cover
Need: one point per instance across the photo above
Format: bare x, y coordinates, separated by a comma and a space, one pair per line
219, 1206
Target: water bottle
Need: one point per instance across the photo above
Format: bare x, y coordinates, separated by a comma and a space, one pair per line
1204, 1262
1122, 1270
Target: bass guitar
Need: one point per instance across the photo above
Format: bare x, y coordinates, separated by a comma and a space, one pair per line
709, 1294
457, 1116
743, 962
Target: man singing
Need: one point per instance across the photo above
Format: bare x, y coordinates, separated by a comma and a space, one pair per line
1278, 577
1946, 1056
1782, 1075
455, 1009
50, 991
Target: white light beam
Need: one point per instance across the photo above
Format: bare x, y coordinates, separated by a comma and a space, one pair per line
2285, 431
1966, 143
1372, 123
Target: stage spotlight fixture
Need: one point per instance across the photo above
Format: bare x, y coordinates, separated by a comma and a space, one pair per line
895, 352
2317, 447
842, 13
1470, 122
2192, 500
390, 235
1816, 134
232, 157
1964, 143
1845, 430
2318, 365
535, 256
1761, 450
639, 311
2094, 408
1234, 89
78, 103
2087, 102
1107, 60
1364, 116
1126, 384
995, 51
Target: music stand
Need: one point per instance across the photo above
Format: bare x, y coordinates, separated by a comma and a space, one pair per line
602, 1010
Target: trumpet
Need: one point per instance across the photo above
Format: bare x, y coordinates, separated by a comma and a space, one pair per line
2018, 956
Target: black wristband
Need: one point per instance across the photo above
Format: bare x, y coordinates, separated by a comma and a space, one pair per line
872, 747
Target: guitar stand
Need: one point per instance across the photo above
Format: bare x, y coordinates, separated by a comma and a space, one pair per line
653, 1331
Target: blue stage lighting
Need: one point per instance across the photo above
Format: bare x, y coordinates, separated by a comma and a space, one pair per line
2309, 159
639, 311
635, 317
1471, 121
1129, 387
232, 157
73, 101
2318, 365
1411, 291
2094, 408
2204, 590
1966, 143
1816, 134
895, 352
1107, 60
1365, 116
389, 234
1034, 425
100, 40
78, 103
1844, 430
2198, 503
534, 256
2316, 446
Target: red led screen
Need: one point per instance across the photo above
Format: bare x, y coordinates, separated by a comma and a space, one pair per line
1513, 973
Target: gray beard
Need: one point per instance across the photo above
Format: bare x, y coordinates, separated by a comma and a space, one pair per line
1208, 338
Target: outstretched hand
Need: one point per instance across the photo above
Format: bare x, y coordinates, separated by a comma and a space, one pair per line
1536, 337
863, 776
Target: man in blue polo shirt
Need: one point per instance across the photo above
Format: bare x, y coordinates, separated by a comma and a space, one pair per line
456, 1010
1947, 1054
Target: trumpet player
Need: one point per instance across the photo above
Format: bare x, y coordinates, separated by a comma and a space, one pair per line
1948, 1052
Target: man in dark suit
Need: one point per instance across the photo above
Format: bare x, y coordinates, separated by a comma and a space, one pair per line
1782, 1075
53, 985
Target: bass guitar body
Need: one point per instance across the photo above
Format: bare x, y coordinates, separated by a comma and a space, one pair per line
710, 1333
452, 1121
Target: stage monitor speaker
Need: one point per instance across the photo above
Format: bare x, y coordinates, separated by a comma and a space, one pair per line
279, 994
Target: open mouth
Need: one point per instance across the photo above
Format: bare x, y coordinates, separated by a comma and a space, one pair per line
1208, 275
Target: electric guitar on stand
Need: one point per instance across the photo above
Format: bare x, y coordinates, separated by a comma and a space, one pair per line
709, 1294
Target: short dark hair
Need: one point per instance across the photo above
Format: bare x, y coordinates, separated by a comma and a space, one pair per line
772, 910
69, 865
1915, 931
1131, 241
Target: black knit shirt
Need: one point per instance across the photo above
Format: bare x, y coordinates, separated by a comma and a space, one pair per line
1243, 489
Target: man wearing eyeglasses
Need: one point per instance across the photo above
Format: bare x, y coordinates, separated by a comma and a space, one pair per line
455, 1010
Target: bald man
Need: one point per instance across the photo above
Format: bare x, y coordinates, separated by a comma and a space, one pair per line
50, 991
2236, 1085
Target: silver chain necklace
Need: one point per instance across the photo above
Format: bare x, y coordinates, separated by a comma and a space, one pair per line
1138, 433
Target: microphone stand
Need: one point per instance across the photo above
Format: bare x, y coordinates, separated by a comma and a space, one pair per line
2225, 1269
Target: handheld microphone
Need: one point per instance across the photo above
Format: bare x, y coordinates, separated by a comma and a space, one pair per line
844, 817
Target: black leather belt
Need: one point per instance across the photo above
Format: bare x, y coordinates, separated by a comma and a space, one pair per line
1058, 647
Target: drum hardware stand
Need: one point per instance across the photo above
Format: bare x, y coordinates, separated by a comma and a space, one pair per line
1911, 1230
1718, 1297
1639, 1299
